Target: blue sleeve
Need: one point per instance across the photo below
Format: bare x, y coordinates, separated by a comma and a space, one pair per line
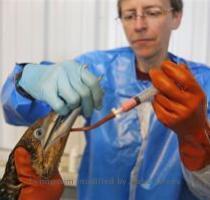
18, 109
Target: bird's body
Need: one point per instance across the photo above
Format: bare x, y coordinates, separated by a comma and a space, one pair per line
10, 186
45, 141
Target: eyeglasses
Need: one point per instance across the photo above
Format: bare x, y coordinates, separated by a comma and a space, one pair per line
149, 13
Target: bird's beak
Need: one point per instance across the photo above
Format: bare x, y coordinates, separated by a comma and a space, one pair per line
58, 127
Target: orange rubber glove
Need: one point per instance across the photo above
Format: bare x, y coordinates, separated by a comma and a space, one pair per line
33, 187
181, 106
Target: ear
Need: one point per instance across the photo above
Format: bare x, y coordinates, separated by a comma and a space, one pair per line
176, 17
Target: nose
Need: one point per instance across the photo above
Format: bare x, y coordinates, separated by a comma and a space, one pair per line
140, 23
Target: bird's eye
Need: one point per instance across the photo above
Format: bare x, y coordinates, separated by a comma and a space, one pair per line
38, 133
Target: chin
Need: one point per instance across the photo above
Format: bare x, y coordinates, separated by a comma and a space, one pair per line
145, 54
146, 51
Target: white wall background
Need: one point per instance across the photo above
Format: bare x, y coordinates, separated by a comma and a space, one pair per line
36, 30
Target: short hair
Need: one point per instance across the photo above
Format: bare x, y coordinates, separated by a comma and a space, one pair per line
177, 6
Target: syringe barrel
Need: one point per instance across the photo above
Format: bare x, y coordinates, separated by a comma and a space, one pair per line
147, 94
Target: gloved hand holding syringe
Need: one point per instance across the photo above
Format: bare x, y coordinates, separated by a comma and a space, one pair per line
129, 104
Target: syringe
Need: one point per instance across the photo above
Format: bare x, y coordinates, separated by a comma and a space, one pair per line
129, 104
144, 96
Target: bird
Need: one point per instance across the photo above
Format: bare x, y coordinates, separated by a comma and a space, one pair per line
45, 140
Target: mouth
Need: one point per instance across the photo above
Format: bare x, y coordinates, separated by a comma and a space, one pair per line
142, 41
59, 127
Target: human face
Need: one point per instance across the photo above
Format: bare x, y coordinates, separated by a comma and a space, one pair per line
148, 35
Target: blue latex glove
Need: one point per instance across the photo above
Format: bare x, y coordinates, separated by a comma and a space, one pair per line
64, 86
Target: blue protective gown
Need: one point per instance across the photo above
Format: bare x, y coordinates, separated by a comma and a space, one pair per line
118, 164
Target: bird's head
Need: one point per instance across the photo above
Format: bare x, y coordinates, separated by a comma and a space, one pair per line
46, 140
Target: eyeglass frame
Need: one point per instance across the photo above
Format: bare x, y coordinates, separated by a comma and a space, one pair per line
144, 15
